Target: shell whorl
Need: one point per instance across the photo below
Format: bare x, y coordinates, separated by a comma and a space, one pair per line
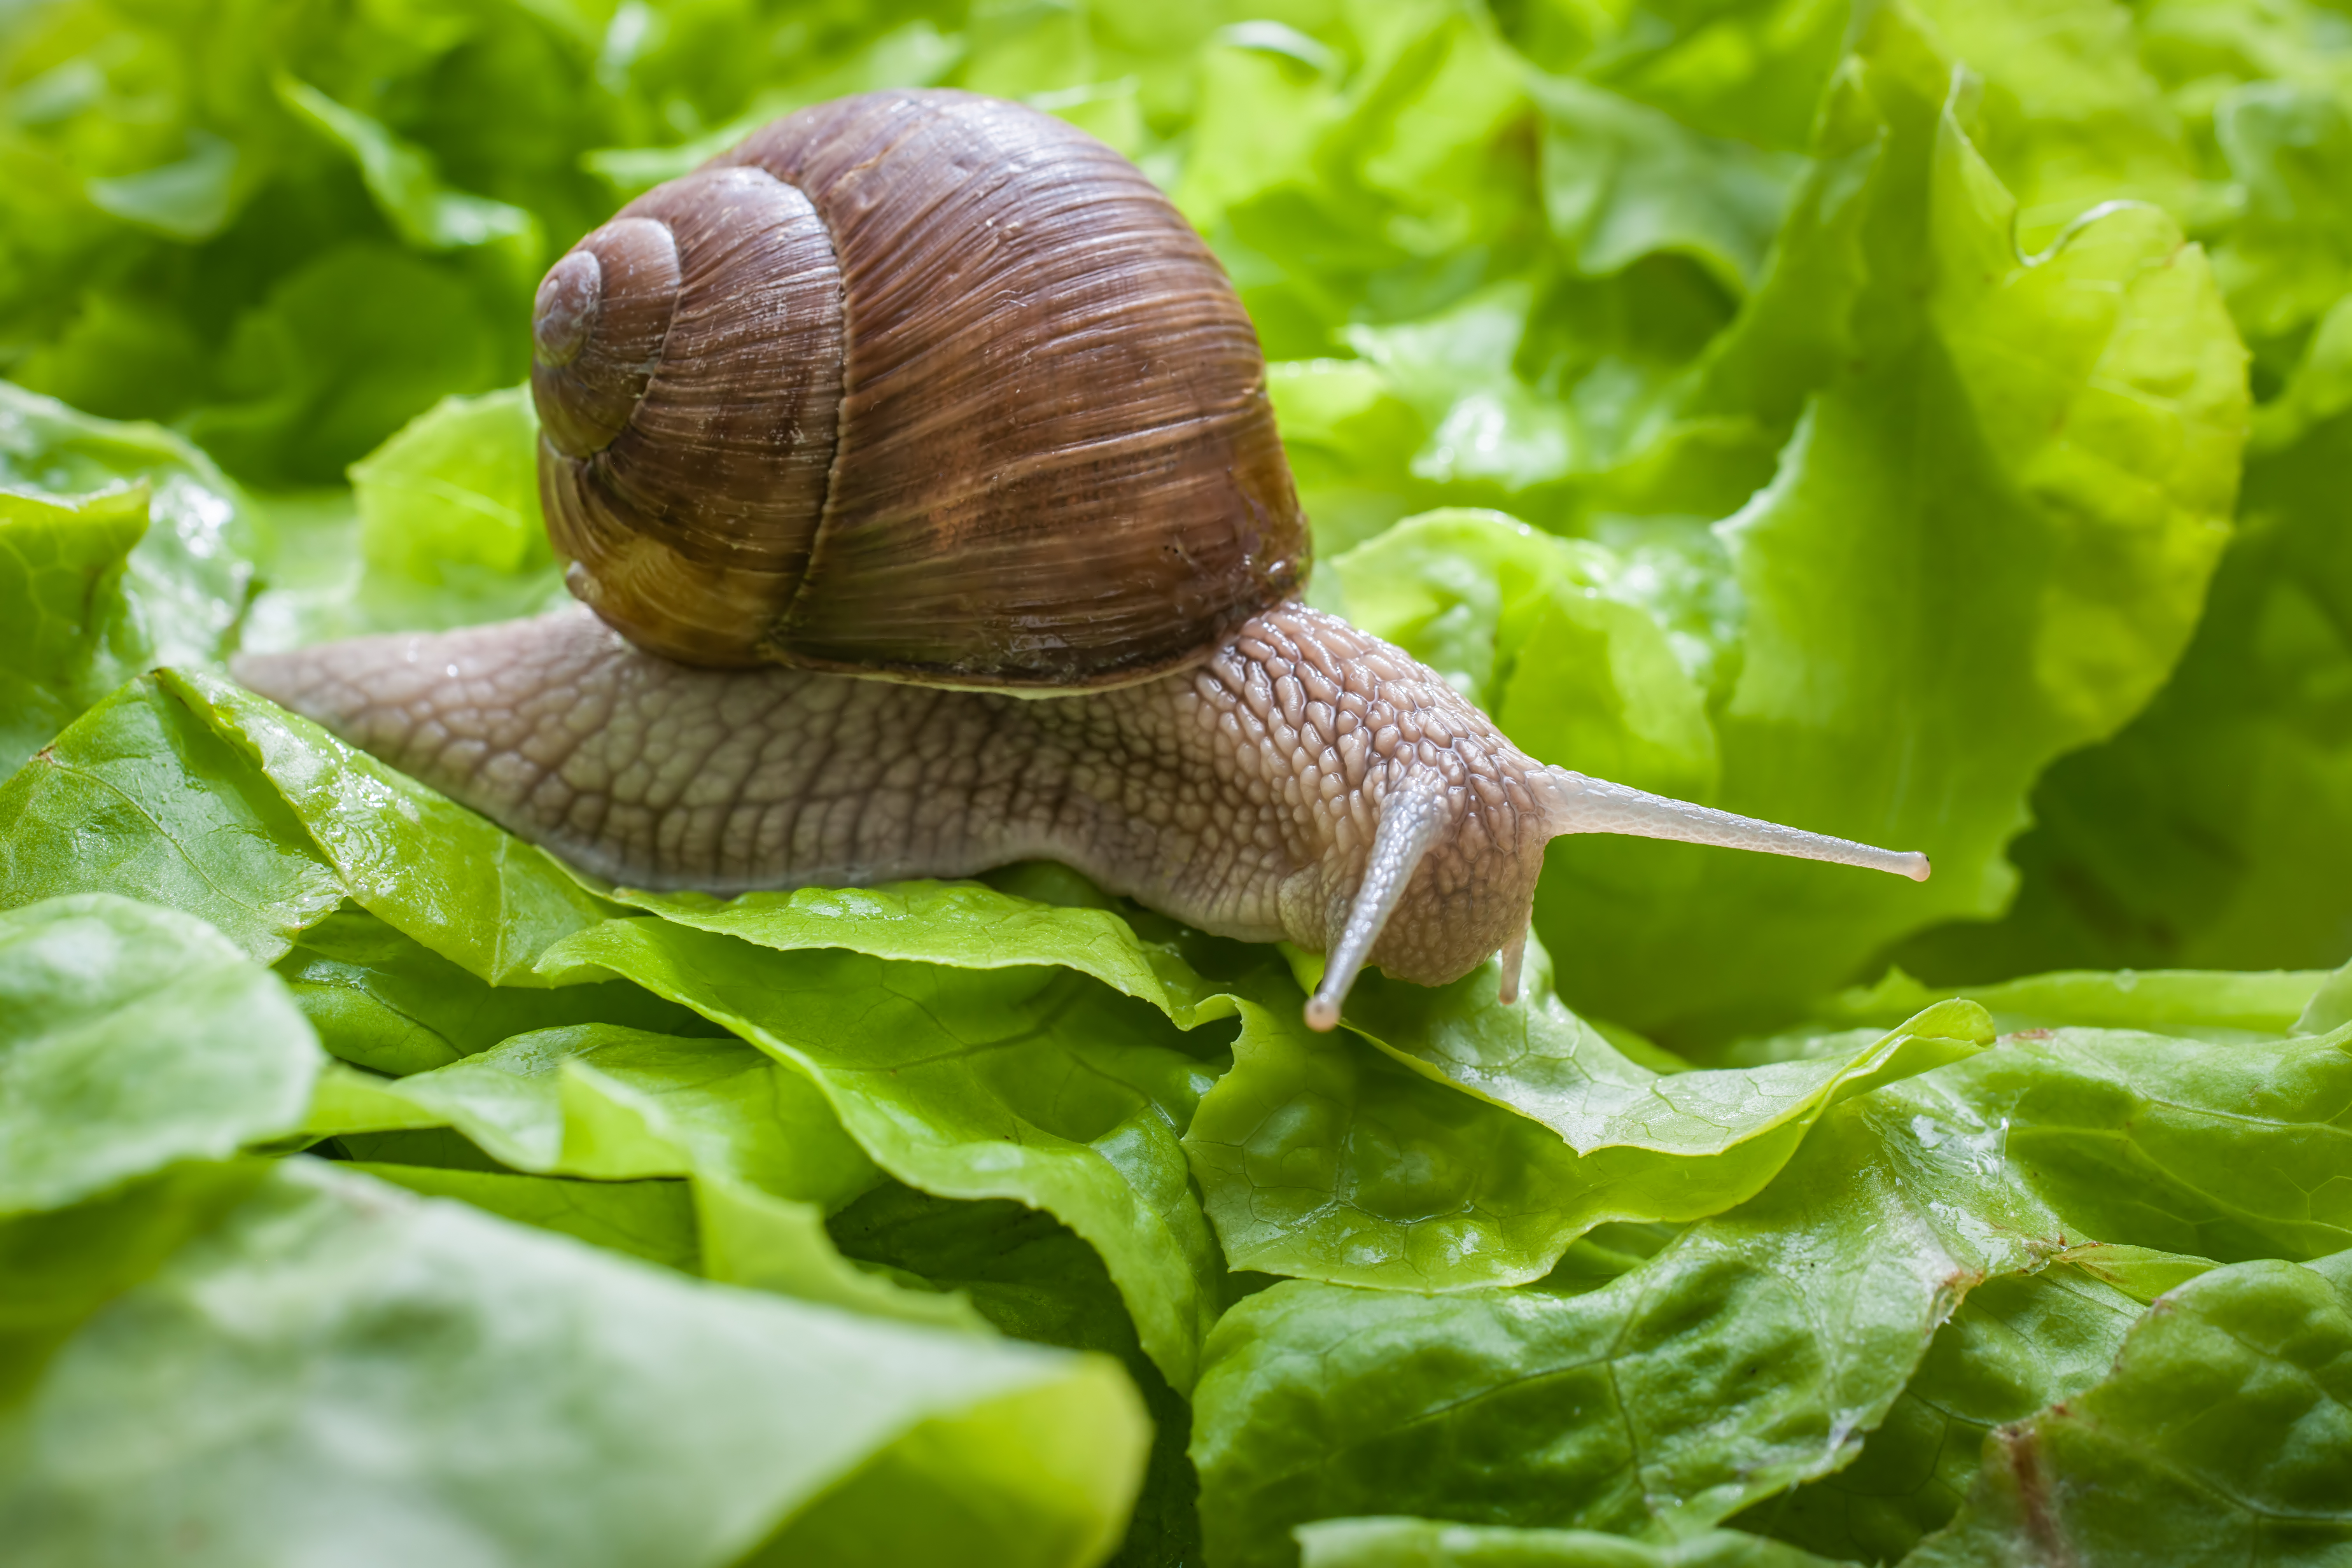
916, 384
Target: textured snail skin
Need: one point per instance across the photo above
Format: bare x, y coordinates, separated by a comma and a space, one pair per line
1241, 796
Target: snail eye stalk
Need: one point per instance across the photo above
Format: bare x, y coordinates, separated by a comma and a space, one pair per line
1581, 805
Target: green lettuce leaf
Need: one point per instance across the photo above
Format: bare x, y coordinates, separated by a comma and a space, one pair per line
2212, 832
293, 822
132, 1037
615, 1104
1754, 73
767, 1157
2098, 578
1034, 1278
139, 796
2221, 1436
1491, 1137
1372, 169
443, 529
1758, 1347
1393, 1543
2203, 1002
407, 187
120, 546
2018, 1344
464, 888
2070, 115
1035, 1084
384, 1001
71, 637
697, 1422
963, 925
63, 1265
2224, 1151
652, 1220
1750, 1354
1623, 181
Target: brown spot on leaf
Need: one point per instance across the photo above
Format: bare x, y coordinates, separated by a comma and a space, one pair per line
2021, 1447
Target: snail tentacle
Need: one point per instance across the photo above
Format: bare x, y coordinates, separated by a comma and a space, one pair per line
1581, 805
1412, 814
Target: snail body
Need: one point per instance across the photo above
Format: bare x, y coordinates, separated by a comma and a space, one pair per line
915, 462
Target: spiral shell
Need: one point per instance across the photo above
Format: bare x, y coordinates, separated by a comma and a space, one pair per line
916, 384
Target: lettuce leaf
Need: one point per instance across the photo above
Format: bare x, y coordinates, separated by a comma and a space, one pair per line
2101, 580
651, 1220
119, 546
2219, 1436
1748, 1354
384, 1001
1491, 1137
1759, 1346
70, 636
2018, 1344
1035, 1084
132, 1037
1034, 1278
1393, 1543
767, 1157
764, 1421
2188, 1003
2209, 833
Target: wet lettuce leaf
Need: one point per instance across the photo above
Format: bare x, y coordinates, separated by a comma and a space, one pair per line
963, 925
805, 1427
142, 797
1750, 1354
599, 1100
1482, 1140
297, 822
1758, 1347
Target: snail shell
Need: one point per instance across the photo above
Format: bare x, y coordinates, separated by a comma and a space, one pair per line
916, 384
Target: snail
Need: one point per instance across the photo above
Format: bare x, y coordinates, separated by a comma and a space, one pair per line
918, 478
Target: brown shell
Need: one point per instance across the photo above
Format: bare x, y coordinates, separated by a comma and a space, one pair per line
921, 383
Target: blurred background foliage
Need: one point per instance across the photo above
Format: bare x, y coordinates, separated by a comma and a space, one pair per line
1683, 287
